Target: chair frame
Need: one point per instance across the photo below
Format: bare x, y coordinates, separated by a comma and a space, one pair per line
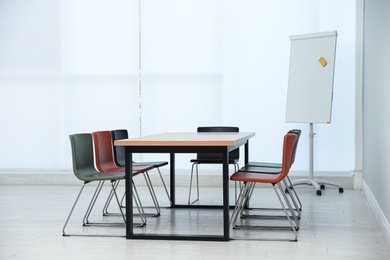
84, 170
274, 169
249, 179
204, 158
105, 164
119, 157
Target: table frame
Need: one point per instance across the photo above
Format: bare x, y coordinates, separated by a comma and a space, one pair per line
172, 149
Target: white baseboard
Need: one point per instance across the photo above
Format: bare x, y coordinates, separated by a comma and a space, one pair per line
382, 220
207, 178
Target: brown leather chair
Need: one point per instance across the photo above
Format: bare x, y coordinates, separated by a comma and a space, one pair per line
276, 179
274, 168
104, 161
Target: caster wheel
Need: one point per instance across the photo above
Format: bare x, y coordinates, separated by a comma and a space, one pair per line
341, 190
286, 191
322, 187
319, 193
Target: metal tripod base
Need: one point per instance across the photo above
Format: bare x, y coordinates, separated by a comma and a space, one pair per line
317, 184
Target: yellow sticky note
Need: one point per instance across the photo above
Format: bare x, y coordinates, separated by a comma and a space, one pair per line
322, 61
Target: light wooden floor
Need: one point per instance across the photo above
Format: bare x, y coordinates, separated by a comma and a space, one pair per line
333, 226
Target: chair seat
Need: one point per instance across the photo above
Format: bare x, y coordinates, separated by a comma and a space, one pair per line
143, 168
255, 177
136, 168
268, 170
93, 175
154, 164
264, 164
212, 161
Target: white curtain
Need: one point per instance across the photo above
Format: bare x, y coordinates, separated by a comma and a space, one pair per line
163, 65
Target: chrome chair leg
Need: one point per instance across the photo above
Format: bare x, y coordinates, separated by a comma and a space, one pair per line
139, 207
293, 227
286, 206
292, 198
165, 186
240, 204
152, 193
137, 201
72, 209
291, 188
86, 221
114, 185
92, 203
108, 201
197, 184
236, 167
291, 194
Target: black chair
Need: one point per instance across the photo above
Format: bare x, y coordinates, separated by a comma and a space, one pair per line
212, 158
119, 156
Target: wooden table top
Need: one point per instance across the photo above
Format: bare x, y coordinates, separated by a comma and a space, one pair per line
188, 139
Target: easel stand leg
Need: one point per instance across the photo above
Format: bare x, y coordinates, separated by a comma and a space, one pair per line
317, 184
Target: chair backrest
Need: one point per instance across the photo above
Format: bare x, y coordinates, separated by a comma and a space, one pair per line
104, 159
82, 155
289, 142
298, 133
233, 155
119, 151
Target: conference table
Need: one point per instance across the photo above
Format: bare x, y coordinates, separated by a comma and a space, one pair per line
176, 143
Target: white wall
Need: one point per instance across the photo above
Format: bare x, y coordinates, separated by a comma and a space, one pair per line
31, 110
256, 76
376, 165
65, 66
73, 66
